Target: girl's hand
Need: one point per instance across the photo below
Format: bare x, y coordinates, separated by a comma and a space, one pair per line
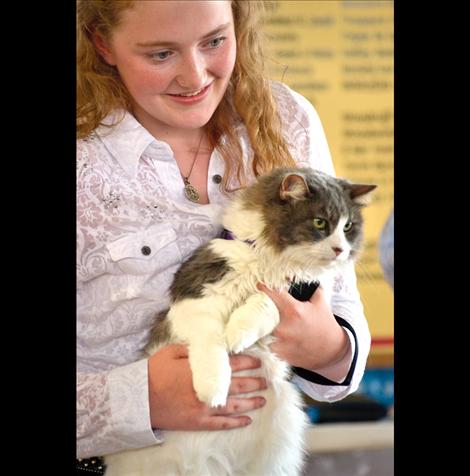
308, 335
173, 401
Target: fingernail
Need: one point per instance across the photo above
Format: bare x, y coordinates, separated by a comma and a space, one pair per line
247, 421
262, 402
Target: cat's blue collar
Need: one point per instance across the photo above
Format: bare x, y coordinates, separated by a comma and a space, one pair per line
228, 235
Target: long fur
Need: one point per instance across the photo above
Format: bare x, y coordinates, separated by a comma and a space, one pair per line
224, 312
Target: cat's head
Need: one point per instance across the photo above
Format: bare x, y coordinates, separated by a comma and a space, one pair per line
304, 213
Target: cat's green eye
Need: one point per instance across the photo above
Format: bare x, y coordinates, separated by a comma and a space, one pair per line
348, 226
319, 223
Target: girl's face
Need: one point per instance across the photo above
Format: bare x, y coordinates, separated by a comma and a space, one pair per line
175, 58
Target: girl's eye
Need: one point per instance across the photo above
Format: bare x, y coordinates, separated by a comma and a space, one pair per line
348, 226
216, 42
319, 223
161, 55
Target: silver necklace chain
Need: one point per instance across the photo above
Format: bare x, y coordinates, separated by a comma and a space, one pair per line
190, 191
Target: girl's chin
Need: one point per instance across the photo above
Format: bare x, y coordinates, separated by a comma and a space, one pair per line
185, 121
179, 117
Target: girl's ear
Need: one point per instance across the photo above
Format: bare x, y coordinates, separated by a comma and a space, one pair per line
103, 48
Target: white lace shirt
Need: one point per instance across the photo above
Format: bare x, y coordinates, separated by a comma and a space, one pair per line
134, 229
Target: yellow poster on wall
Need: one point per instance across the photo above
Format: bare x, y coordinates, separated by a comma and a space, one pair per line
339, 55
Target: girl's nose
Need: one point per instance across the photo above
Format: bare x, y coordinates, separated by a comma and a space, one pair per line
192, 73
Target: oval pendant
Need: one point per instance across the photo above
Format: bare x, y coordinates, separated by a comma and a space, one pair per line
191, 193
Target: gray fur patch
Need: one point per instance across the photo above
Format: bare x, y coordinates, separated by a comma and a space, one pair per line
203, 267
161, 331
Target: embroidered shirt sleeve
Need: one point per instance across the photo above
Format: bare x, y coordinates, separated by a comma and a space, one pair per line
112, 411
112, 399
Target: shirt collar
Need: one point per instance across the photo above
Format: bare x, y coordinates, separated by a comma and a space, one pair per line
126, 141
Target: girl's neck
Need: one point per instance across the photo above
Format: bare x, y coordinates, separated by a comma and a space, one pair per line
179, 139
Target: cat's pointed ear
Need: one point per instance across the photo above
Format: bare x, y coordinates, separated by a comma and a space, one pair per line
293, 187
361, 193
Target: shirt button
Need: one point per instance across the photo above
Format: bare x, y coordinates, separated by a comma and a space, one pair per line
146, 250
217, 178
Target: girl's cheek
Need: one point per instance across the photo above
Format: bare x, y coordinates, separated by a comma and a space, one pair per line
223, 65
148, 78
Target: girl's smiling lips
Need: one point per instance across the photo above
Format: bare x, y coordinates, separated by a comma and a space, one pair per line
192, 97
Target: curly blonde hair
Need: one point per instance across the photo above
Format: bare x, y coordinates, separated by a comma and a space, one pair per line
248, 98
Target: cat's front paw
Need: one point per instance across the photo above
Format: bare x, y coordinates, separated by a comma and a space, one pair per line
250, 322
239, 338
211, 381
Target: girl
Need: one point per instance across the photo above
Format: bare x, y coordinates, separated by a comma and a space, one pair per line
174, 113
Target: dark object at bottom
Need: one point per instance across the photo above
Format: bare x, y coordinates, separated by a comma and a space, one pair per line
347, 411
90, 466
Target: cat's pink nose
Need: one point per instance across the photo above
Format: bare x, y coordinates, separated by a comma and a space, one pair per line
337, 250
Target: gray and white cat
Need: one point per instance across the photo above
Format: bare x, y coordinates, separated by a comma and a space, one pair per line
292, 225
